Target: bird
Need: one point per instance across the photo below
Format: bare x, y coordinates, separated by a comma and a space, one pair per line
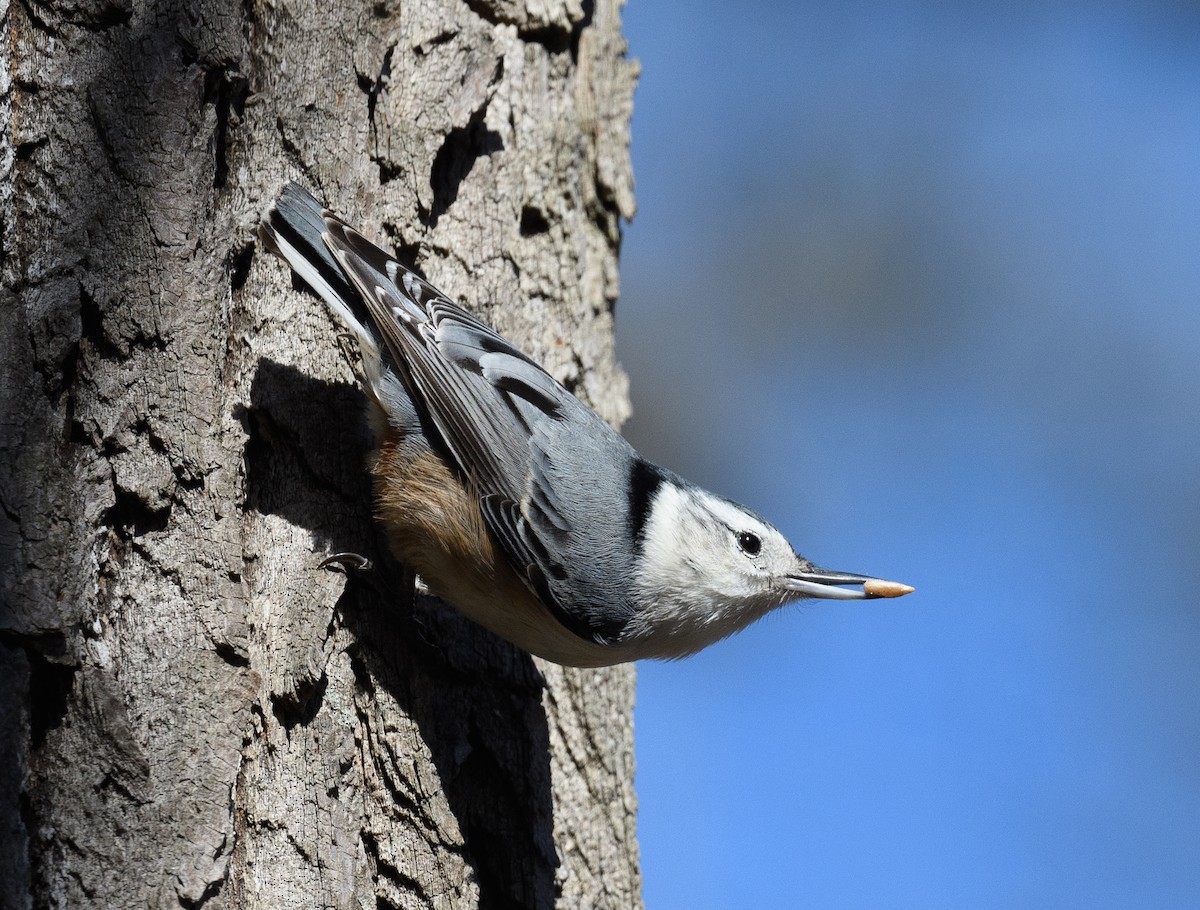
514, 501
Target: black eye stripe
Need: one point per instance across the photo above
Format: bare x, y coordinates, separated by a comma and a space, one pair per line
750, 543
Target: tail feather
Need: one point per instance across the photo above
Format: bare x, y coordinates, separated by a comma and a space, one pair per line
305, 234
295, 228
370, 268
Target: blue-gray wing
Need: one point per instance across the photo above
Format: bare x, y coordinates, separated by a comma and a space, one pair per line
551, 475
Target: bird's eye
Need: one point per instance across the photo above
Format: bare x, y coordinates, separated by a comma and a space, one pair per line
749, 543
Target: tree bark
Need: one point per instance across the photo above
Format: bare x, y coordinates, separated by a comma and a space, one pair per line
194, 714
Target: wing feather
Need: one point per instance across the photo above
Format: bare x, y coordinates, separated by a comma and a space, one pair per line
510, 429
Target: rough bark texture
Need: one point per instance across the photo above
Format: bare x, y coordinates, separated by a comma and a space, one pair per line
192, 712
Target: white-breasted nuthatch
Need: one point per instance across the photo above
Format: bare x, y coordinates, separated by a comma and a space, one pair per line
514, 501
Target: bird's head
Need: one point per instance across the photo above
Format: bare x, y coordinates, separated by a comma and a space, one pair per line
710, 566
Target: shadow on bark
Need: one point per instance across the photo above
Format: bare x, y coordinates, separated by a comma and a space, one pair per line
476, 699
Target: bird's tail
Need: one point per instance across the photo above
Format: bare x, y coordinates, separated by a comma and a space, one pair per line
303, 233
294, 228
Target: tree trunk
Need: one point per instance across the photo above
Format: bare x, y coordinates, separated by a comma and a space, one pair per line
193, 713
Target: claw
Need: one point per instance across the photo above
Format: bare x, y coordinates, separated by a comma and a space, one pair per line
350, 562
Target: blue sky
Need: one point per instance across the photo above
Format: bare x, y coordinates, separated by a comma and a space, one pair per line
921, 283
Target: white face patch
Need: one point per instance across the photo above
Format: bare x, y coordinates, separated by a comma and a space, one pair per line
695, 582
664, 543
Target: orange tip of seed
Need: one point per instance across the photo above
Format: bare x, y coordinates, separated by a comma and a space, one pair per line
881, 588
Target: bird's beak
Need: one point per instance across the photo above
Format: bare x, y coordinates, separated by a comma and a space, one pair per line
823, 583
